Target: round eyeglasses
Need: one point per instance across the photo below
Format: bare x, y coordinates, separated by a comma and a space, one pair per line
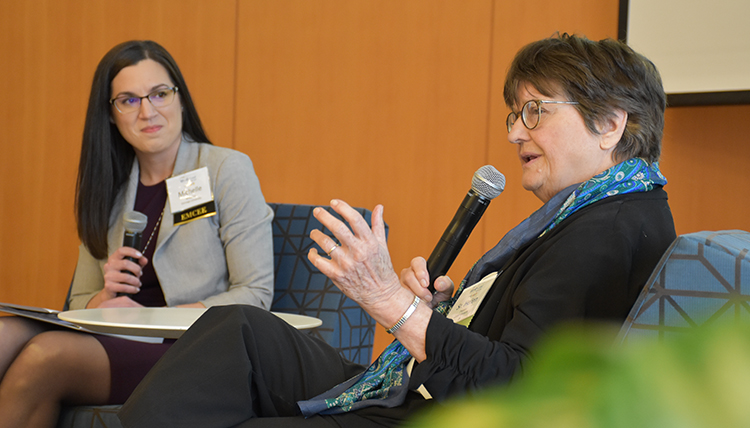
530, 113
159, 98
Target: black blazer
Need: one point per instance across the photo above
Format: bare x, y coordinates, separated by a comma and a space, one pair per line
591, 266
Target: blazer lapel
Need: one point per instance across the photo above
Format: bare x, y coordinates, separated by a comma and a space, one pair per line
187, 156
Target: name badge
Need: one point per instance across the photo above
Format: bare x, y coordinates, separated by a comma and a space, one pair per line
190, 196
468, 302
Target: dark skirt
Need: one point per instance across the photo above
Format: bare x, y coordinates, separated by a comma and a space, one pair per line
129, 361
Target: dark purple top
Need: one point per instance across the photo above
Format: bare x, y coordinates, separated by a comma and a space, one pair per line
129, 361
150, 200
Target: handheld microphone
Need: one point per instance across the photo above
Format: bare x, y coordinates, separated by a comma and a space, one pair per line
486, 185
135, 222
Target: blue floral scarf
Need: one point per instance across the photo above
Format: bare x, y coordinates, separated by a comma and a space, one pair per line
385, 382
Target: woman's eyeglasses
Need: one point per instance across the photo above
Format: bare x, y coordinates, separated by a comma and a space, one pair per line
530, 113
159, 98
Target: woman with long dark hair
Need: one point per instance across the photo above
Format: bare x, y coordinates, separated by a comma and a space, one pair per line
144, 149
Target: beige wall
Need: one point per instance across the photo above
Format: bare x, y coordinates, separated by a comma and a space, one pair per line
372, 101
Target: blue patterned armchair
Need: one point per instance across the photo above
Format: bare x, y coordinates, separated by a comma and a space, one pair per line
299, 288
702, 278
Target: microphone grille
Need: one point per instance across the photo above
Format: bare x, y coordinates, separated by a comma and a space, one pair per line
135, 221
488, 182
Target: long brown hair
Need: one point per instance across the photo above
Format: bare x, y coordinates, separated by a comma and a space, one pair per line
106, 158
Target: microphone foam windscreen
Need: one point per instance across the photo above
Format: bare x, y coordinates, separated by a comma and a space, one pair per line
488, 182
135, 221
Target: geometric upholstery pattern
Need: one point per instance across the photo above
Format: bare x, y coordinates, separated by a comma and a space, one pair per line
301, 288
702, 278
298, 288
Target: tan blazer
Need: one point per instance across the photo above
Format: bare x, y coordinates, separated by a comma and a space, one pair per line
219, 260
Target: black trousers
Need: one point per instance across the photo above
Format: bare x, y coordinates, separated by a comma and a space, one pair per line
240, 366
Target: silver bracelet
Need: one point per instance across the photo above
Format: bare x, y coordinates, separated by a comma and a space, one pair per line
410, 310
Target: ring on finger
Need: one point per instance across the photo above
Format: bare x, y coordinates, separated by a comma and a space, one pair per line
334, 248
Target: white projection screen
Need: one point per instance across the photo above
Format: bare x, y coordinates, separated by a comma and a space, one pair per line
701, 47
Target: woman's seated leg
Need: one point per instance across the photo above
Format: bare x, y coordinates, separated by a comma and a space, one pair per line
233, 364
54, 367
15, 332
